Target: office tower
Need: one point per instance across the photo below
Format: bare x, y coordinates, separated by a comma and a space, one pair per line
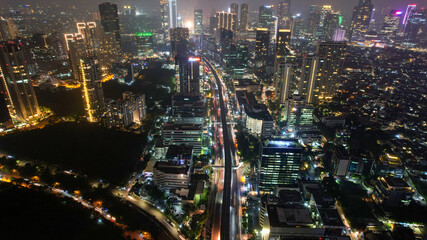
198, 21
225, 41
213, 25
297, 27
261, 46
408, 13
16, 84
179, 41
283, 81
244, 17
189, 74
173, 14
391, 23
283, 43
83, 49
236, 59
284, 14
188, 134
416, 26
313, 20
279, 164
320, 25
334, 55
234, 8
164, 16
311, 77
110, 20
8, 30
265, 19
144, 43
360, 21
226, 20
331, 23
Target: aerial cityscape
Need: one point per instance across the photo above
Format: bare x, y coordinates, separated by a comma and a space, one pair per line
213, 120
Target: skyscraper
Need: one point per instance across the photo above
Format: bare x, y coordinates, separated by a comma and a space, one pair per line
362, 14
417, 25
279, 164
311, 77
189, 79
164, 9
173, 14
409, 10
265, 19
331, 23
391, 23
283, 42
244, 17
234, 8
226, 20
16, 84
284, 14
198, 21
334, 55
8, 30
261, 46
179, 41
110, 20
83, 51
283, 80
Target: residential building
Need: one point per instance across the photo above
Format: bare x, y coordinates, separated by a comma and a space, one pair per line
110, 20
360, 20
125, 112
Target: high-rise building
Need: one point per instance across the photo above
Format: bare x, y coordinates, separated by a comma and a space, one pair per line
313, 20
189, 74
391, 23
226, 20
198, 21
283, 79
244, 17
125, 112
110, 20
234, 8
179, 41
297, 113
331, 23
261, 46
284, 14
334, 55
360, 21
144, 42
83, 51
311, 77
213, 25
416, 25
16, 84
173, 14
283, 43
8, 30
266, 19
280, 164
320, 25
164, 16
408, 13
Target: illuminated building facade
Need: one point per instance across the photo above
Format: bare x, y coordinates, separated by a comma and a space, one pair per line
279, 164
173, 14
284, 14
266, 19
362, 14
198, 21
261, 46
164, 16
391, 23
16, 84
244, 17
125, 112
226, 20
179, 41
311, 77
234, 9
334, 55
189, 74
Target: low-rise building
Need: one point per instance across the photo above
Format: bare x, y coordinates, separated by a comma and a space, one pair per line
187, 134
391, 192
171, 174
389, 165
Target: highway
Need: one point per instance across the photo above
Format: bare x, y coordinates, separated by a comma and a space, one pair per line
230, 207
